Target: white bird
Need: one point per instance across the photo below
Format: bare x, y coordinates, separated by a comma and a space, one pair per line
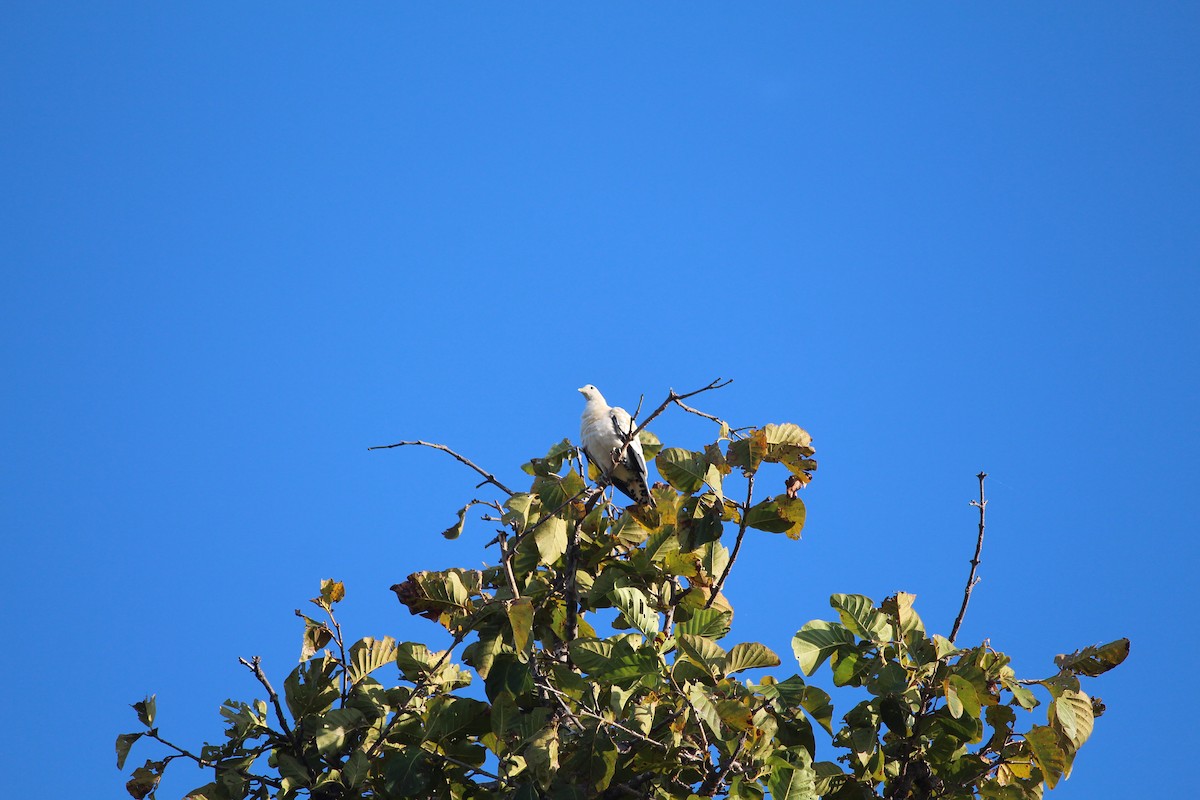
607, 442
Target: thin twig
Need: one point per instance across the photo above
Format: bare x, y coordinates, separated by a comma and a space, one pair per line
611, 723
488, 477
153, 734
700, 413
981, 504
255, 666
465, 765
737, 545
342, 654
712, 785
673, 397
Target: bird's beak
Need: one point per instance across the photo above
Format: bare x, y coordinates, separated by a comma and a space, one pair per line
580, 390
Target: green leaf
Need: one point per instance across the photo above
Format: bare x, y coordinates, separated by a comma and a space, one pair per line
356, 769
593, 762
520, 508
787, 433
451, 718
335, 725
899, 607
1071, 713
813, 643
943, 647
1023, 696
859, 615
404, 775
311, 688
704, 652
145, 710
552, 463
735, 714
1043, 743
455, 530
636, 609
542, 754
783, 514
591, 655
551, 540
520, 616
749, 452
685, 470
368, 655
968, 699
817, 703
650, 444
555, 492
750, 656
791, 781
704, 707
1095, 660
710, 622
124, 742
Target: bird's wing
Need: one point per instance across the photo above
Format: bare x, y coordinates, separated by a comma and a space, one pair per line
623, 426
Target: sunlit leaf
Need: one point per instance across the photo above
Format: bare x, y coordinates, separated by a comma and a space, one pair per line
748, 453
750, 656
455, 530
551, 540
704, 707
858, 613
683, 469
635, 607
782, 514
145, 709
368, 655
1071, 713
813, 643
710, 622
1043, 743
651, 446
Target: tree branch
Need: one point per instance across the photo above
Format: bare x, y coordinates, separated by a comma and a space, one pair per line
737, 545
488, 477
981, 504
674, 397
255, 666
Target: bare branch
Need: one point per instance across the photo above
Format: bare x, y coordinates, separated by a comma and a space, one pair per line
674, 397
737, 545
255, 666
718, 420
981, 504
487, 476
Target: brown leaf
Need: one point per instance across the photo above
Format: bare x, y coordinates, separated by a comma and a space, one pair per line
793, 484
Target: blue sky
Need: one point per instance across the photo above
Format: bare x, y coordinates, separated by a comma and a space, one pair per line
242, 243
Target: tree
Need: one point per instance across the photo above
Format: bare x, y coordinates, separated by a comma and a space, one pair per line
652, 705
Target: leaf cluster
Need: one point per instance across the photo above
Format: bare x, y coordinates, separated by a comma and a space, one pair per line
594, 663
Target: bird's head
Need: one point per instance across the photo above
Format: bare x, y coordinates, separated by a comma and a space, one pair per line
590, 392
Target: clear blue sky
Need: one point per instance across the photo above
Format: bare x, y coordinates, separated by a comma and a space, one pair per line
241, 243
